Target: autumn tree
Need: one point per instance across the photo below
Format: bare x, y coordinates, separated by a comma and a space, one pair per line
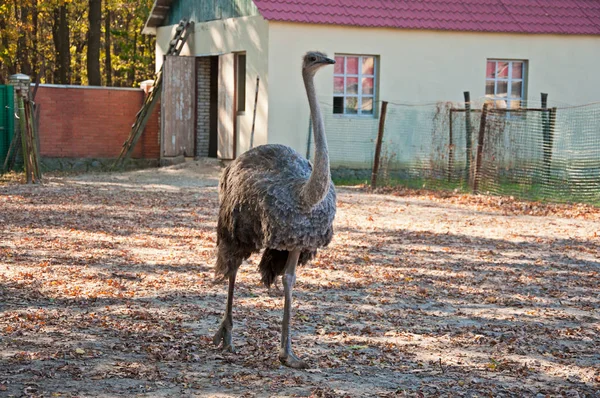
107, 48
93, 42
61, 37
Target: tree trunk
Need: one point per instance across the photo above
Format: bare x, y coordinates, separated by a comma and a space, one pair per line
22, 50
60, 35
35, 51
93, 45
78, 70
107, 50
134, 63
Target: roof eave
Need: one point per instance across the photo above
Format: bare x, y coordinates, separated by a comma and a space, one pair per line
158, 14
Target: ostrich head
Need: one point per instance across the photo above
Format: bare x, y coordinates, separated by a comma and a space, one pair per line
314, 60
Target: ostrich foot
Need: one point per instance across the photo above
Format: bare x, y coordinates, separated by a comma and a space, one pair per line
223, 335
288, 358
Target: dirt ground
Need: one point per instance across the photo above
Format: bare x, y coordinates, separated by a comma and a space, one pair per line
106, 290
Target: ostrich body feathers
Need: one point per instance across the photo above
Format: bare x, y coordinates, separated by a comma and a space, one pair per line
260, 207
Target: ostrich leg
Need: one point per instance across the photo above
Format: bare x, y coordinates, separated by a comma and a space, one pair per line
286, 356
224, 332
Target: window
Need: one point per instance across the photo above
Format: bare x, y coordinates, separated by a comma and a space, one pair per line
354, 84
505, 83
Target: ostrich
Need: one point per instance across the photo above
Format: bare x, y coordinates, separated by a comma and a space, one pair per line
272, 198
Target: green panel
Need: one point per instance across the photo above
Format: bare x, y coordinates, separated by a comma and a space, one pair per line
6, 120
209, 10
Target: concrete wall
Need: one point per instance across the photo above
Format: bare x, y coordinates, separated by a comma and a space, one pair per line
246, 34
418, 66
92, 122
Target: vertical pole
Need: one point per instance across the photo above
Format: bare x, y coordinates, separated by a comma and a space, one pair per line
254, 114
468, 134
24, 138
34, 143
479, 157
550, 143
378, 145
544, 100
545, 138
450, 146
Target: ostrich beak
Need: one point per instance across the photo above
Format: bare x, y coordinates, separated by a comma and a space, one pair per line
328, 61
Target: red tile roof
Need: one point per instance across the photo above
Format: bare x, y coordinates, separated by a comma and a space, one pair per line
576, 17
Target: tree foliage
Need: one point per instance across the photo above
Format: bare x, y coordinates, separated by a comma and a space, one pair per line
51, 38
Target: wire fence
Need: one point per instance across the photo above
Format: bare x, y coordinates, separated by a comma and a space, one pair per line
536, 153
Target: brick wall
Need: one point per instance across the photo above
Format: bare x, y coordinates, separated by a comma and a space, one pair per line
203, 107
90, 122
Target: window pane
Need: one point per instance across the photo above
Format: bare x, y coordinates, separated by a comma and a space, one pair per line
502, 70
352, 105
368, 65
367, 85
352, 85
516, 88
489, 87
491, 69
339, 65
352, 65
367, 106
517, 72
338, 85
338, 104
502, 89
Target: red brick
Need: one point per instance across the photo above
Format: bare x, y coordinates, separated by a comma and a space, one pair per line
92, 122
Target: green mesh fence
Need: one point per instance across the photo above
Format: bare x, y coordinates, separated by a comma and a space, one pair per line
6, 121
548, 154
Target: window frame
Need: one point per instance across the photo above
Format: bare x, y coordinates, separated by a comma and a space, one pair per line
509, 81
359, 94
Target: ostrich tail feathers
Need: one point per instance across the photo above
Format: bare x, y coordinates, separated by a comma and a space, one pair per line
273, 263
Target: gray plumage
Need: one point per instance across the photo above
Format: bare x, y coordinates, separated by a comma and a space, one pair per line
271, 198
260, 207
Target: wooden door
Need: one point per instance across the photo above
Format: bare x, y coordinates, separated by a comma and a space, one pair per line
178, 105
226, 108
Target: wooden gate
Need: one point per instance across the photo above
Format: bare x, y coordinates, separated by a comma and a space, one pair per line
226, 107
178, 105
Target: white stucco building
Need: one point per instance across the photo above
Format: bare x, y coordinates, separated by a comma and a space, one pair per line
402, 51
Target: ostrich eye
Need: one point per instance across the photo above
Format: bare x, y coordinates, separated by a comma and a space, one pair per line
313, 59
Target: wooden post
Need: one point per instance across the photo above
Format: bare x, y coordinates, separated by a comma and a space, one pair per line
450, 146
546, 138
478, 159
468, 134
254, 114
378, 145
24, 136
35, 153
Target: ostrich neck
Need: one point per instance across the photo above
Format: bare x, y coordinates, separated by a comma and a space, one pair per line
317, 185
